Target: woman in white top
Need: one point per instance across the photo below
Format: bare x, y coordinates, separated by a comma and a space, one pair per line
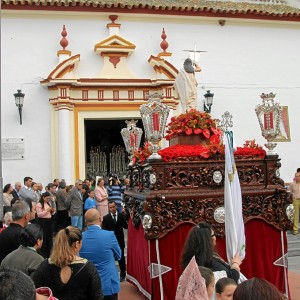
101, 197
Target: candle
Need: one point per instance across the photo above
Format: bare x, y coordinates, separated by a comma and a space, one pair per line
268, 121
155, 121
131, 139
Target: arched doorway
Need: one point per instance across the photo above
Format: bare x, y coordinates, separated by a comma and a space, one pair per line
105, 149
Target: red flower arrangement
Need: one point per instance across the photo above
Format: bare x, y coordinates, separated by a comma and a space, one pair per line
177, 151
142, 154
250, 148
194, 122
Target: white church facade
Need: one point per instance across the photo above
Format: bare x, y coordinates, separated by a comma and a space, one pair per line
83, 62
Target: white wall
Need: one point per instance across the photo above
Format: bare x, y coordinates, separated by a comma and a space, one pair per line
244, 59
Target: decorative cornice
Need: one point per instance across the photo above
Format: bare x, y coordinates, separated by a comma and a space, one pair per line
273, 9
114, 43
162, 66
64, 67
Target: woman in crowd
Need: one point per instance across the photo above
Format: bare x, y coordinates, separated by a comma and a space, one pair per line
225, 288
257, 289
201, 243
101, 197
25, 258
44, 212
66, 274
7, 195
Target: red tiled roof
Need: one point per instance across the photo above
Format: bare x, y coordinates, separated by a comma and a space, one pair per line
268, 9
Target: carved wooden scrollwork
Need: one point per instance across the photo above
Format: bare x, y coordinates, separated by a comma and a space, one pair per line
191, 192
167, 214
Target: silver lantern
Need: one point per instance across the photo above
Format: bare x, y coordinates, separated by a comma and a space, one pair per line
154, 115
269, 118
132, 137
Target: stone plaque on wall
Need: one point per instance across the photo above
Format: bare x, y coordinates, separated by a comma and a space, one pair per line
13, 148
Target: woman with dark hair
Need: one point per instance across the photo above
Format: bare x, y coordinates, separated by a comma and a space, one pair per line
44, 212
25, 258
257, 289
7, 195
201, 243
66, 274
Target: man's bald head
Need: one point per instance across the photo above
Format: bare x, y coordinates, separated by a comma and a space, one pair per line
92, 217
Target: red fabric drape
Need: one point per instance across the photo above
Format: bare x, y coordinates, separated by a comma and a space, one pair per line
263, 247
170, 247
138, 257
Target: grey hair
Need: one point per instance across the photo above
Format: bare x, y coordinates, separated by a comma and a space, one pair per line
7, 217
188, 66
15, 284
78, 180
19, 210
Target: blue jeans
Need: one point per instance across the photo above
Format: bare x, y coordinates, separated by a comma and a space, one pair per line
76, 221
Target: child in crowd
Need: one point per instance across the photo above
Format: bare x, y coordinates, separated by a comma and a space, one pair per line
225, 288
90, 202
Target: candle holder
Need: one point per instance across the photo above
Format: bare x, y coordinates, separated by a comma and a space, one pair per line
154, 115
132, 137
269, 118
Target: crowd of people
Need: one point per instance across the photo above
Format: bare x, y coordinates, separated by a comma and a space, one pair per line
77, 265
86, 225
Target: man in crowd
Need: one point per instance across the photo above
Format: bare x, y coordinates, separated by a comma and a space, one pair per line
88, 182
75, 204
9, 238
115, 221
15, 284
16, 190
39, 190
26, 192
56, 183
295, 190
115, 191
101, 247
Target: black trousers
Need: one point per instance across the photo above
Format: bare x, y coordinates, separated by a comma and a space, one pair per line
122, 264
62, 220
46, 224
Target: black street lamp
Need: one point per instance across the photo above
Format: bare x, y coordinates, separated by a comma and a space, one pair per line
19, 100
208, 102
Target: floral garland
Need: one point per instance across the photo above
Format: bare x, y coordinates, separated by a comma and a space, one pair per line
249, 149
193, 122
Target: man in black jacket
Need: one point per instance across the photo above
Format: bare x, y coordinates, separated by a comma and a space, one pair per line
115, 221
9, 237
